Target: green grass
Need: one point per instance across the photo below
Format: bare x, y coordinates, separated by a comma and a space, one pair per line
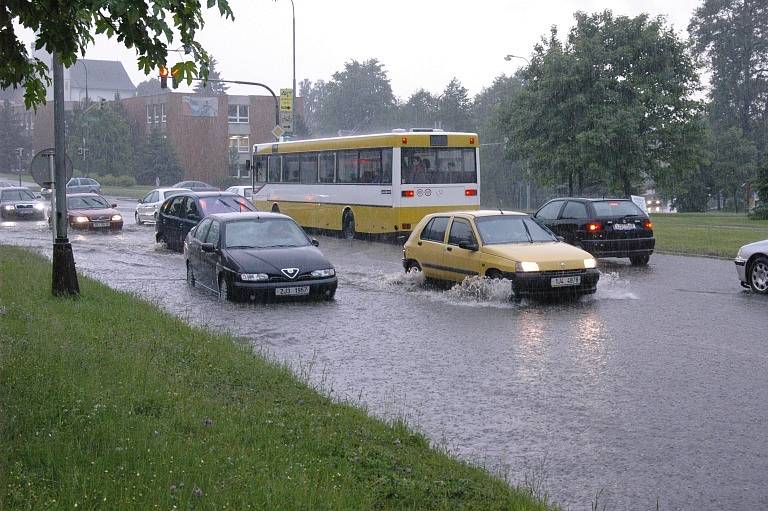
712, 234
133, 192
107, 402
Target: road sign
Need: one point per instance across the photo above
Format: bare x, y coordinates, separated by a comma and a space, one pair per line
41, 165
278, 131
286, 100
286, 121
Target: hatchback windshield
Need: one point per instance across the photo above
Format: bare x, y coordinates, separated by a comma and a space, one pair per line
496, 230
264, 233
16, 195
94, 202
616, 208
225, 204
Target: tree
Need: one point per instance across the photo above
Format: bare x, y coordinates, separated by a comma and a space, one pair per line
12, 137
733, 157
99, 141
610, 106
215, 88
358, 99
155, 158
149, 87
419, 111
730, 35
68, 28
455, 107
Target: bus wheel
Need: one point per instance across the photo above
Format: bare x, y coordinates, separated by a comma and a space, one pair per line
275, 208
348, 225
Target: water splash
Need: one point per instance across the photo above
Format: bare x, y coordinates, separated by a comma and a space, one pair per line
612, 287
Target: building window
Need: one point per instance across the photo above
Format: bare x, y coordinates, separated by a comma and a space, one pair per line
162, 112
238, 114
156, 110
240, 142
149, 114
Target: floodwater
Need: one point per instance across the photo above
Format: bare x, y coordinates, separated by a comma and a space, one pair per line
655, 388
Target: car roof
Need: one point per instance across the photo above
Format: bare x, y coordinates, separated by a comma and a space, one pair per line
226, 217
591, 199
476, 213
209, 193
169, 189
83, 194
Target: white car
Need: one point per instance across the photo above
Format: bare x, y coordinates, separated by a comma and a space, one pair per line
146, 209
752, 266
243, 191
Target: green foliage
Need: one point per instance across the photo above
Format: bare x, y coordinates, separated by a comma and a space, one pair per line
610, 106
733, 157
68, 28
149, 87
712, 234
123, 181
155, 158
420, 111
455, 108
145, 411
105, 136
12, 137
204, 87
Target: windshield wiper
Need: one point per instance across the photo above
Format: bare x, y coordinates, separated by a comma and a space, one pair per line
243, 246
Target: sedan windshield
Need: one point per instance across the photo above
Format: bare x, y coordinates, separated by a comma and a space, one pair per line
225, 204
18, 194
500, 229
264, 233
87, 203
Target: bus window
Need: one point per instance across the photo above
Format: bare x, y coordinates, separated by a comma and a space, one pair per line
348, 168
327, 170
260, 169
308, 168
275, 168
291, 168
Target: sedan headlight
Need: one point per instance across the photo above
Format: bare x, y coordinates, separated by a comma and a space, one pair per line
328, 272
40, 207
116, 218
590, 263
81, 219
253, 277
526, 266
9, 208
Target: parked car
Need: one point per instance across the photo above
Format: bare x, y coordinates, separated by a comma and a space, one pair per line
499, 244
146, 209
196, 186
752, 266
602, 227
91, 211
257, 255
76, 185
245, 191
180, 213
20, 203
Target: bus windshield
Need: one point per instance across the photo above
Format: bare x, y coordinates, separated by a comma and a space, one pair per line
438, 165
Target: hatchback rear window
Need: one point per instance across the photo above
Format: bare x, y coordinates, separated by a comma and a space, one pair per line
616, 208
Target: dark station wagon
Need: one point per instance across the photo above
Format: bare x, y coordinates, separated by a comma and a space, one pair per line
602, 227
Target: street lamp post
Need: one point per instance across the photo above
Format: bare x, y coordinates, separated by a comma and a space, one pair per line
509, 57
19, 153
293, 99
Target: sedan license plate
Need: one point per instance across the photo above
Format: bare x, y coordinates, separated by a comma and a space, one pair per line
623, 227
292, 291
565, 281
24, 211
101, 224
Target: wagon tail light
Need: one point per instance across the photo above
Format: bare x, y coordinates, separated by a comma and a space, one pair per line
648, 224
594, 227
407, 193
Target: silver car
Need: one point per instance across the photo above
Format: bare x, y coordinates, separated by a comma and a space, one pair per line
146, 210
752, 266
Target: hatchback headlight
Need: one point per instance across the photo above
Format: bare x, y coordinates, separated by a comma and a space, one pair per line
254, 277
526, 266
328, 272
590, 263
39, 207
9, 208
116, 218
81, 219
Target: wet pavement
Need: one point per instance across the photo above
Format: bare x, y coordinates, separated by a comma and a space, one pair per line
654, 388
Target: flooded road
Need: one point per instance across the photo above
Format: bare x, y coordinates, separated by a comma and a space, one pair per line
655, 387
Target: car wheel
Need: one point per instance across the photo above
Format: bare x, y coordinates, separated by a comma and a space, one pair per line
275, 208
413, 267
190, 276
639, 260
155, 217
138, 218
758, 275
348, 225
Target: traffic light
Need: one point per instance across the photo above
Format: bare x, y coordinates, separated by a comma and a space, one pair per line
175, 78
164, 77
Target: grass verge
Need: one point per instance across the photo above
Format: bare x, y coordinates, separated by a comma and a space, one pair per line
711, 234
107, 402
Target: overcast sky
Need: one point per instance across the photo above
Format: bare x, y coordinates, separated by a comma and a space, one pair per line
422, 43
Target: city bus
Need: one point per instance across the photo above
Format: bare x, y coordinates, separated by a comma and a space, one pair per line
375, 184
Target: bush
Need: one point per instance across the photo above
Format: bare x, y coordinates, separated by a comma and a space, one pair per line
126, 181
110, 180
759, 213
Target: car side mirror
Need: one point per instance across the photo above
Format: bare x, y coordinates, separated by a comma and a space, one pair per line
468, 245
208, 248
315, 242
114, 204
560, 238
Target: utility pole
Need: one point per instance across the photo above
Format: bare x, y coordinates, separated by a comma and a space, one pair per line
64, 276
19, 153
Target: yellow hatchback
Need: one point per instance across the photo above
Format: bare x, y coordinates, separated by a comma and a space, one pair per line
451, 246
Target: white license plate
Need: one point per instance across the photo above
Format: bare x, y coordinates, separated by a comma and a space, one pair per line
101, 224
565, 281
24, 211
292, 291
623, 227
